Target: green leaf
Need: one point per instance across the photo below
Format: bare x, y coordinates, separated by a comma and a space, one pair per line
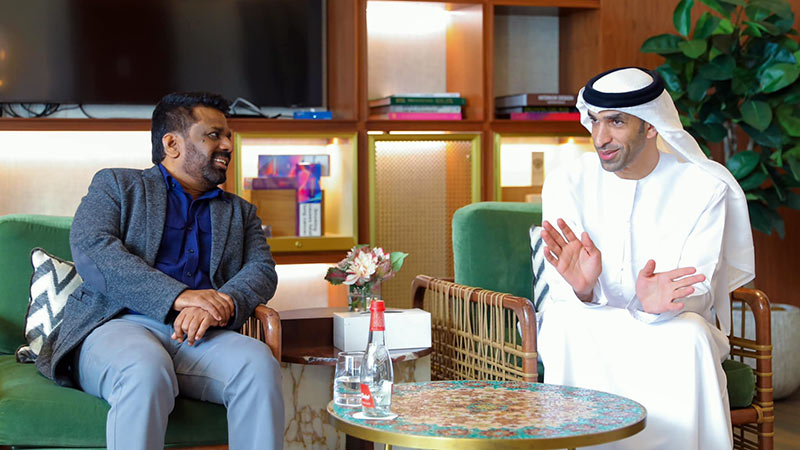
778, 76
682, 17
662, 44
712, 132
770, 28
770, 138
794, 166
796, 56
756, 13
794, 152
778, 7
725, 10
753, 196
753, 29
735, 2
397, 259
743, 82
720, 68
757, 114
724, 27
693, 48
706, 25
671, 79
764, 219
753, 180
789, 118
777, 158
792, 200
697, 88
742, 163
713, 53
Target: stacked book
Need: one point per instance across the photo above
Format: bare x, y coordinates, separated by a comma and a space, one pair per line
439, 106
536, 107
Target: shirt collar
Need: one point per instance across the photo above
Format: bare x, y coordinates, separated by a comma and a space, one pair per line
172, 183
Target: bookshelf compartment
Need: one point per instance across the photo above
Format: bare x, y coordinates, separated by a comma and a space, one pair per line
417, 182
523, 161
426, 47
270, 172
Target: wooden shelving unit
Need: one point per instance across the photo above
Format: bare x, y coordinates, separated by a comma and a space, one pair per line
584, 48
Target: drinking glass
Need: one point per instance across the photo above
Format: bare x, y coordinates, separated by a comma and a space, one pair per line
346, 382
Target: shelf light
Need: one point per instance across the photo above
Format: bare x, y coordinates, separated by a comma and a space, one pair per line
374, 132
406, 18
417, 132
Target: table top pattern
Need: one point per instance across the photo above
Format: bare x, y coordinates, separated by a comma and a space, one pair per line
502, 410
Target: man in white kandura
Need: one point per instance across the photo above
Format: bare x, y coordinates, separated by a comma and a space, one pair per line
644, 240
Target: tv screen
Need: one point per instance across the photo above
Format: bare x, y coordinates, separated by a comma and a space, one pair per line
270, 52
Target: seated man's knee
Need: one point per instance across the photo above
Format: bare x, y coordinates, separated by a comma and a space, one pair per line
151, 375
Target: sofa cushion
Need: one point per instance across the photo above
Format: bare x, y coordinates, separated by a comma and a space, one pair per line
19, 233
741, 383
34, 411
53, 281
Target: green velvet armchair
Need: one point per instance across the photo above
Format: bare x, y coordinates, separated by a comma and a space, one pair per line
37, 413
491, 249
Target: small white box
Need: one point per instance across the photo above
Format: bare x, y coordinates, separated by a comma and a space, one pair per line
405, 328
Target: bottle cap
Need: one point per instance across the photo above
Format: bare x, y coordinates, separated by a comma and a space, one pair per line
377, 305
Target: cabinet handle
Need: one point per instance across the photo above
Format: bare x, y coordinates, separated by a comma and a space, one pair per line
298, 244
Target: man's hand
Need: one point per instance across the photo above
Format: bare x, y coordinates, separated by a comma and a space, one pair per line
657, 291
218, 304
578, 261
192, 323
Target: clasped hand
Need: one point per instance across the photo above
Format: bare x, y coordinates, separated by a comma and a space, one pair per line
198, 310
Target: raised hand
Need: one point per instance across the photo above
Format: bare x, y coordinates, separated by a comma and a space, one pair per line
192, 323
218, 304
657, 291
578, 261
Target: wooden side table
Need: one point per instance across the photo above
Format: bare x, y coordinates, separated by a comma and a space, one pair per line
492, 414
308, 360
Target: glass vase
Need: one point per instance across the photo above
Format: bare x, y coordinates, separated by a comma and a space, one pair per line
359, 297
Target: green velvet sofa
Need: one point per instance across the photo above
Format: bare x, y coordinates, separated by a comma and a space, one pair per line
491, 249
35, 412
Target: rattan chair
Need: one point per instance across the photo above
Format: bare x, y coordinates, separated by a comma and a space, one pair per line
473, 320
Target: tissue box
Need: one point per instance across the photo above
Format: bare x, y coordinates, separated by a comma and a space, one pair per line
405, 328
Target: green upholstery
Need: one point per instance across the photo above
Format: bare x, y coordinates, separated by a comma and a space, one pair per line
491, 250
33, 410
741, 383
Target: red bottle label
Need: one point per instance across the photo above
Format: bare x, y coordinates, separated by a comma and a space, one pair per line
366, 397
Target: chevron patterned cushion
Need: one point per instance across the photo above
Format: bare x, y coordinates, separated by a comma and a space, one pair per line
52, 282
541, 292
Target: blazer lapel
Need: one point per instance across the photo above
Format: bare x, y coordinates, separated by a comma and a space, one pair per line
156, 202
221, 215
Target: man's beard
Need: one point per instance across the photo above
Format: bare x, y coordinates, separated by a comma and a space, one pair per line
198, 166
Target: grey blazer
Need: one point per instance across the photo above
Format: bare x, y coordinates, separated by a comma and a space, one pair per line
115, 238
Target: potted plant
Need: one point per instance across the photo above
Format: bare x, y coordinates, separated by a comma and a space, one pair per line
363, 269
736, 68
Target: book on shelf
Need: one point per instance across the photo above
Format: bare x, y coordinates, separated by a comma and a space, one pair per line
534, 99
417, 99
416, 116
516, 109
546, 116
415, 108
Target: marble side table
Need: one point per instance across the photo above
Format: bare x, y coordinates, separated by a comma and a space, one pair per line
308, 362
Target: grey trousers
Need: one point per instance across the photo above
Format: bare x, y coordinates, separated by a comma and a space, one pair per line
132, 363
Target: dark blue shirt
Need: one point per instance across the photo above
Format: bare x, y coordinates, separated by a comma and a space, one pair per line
185, 250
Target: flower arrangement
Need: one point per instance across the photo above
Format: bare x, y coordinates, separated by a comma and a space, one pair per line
365, 267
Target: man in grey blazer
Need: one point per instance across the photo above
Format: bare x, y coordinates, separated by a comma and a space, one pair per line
172, 266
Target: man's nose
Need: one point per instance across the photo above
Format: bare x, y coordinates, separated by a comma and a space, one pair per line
226, 143
600, 135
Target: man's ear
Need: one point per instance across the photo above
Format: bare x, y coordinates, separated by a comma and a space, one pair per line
172, 143
650, 131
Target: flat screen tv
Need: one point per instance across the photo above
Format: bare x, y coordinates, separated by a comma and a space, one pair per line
270, 52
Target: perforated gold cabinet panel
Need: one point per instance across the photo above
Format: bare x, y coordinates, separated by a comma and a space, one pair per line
418, 186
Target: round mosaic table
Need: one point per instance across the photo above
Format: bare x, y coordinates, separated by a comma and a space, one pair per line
488, 414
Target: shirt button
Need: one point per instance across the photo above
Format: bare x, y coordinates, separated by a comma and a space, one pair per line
188, 274
191, 250
189, 228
